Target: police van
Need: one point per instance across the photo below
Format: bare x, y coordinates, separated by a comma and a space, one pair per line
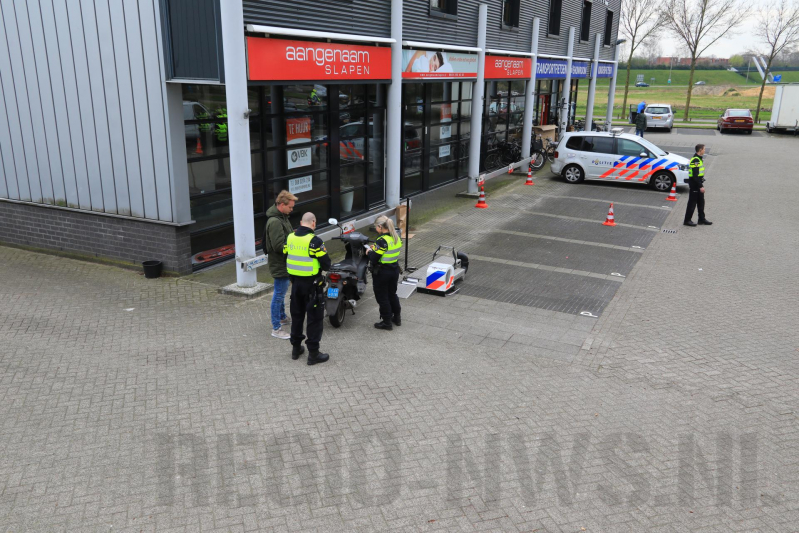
618, 156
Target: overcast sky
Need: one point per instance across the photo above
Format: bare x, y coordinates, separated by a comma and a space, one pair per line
743, 40
725, 47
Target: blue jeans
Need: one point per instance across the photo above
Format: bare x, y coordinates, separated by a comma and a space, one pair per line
278, 301
638, 132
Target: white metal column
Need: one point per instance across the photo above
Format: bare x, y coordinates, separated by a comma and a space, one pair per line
529, 100
476, 128
232, 16
567, 85
612, 89
394, 112
589, 112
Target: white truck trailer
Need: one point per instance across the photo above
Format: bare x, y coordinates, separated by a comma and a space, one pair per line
785, 112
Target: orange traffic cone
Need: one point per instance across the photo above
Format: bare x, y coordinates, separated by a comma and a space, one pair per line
610, 221
510, 168
673, 194
529, 175
481, 201
199, 149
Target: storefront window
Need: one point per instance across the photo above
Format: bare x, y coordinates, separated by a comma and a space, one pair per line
503, 116
293, 132
305, 98
433, 132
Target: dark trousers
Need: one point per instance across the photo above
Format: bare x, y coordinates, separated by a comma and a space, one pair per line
304, 302
695, 199
385, 284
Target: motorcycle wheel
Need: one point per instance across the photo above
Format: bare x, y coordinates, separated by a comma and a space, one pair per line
337, 318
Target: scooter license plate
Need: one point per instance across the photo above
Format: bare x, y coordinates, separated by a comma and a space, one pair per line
332, 293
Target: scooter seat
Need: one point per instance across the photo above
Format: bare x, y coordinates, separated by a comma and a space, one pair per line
344, 266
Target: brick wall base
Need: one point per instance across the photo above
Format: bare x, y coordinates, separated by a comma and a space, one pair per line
96, 236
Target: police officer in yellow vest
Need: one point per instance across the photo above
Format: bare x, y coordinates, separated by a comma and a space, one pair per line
384, 258
696, 194
306, 257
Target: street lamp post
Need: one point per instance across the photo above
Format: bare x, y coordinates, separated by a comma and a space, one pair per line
612, 89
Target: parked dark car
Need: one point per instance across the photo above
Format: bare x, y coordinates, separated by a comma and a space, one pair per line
736, 119
642, 84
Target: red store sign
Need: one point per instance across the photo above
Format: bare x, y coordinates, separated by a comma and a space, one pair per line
282, 60
499, 67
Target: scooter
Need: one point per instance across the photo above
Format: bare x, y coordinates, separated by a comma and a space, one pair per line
346, 281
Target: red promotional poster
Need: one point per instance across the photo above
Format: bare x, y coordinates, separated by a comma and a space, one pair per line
446, 112
298, 130
500, 68
283, 60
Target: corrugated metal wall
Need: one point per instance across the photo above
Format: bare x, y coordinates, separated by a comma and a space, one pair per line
519, 39
373, 18
194, 39
84, 96
418, 25
360, 17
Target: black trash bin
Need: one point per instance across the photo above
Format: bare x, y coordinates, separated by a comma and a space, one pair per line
152, 269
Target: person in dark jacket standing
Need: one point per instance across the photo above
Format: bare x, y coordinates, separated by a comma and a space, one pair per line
306, 257
640, 124
696, 194
384, 258
276, 231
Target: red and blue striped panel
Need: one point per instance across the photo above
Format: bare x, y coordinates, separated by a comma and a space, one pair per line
435, 280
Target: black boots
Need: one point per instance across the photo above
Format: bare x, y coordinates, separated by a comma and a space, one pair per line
314, 357
705, 222
297, 351
386, 323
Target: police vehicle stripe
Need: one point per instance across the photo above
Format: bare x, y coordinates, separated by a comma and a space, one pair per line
645, 163
671, 166
616, 165
632, 162
657, 166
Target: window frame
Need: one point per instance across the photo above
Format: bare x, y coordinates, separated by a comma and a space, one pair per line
515, 13
606, 38
585, 23
612, 140
450, 12
558, 18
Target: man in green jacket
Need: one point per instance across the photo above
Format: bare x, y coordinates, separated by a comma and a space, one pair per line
277, 229
640, 124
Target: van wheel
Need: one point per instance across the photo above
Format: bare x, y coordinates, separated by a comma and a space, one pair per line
661, 181
573, 174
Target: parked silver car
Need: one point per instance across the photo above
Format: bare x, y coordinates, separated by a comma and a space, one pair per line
659, 116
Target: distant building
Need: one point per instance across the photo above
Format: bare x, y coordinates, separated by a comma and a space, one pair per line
686, 61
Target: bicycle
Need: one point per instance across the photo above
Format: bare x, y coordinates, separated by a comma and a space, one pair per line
549, 151
505, 154
537, 153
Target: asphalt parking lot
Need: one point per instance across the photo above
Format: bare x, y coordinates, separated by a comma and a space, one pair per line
548, 247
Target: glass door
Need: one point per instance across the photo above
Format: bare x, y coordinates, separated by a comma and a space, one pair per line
436, 122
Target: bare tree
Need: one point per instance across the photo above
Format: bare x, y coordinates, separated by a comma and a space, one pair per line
651, 50
778, 29
640, 21
699, 24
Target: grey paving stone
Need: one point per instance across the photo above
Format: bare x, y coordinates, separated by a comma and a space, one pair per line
160, 405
